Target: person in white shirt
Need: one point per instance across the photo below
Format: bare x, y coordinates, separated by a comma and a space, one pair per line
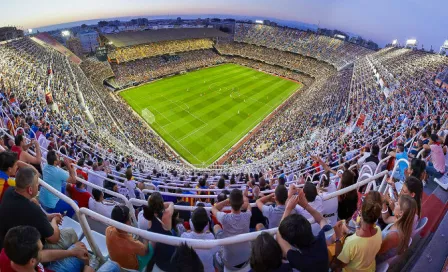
201, 231
330, 206
131, 184
365, 154
315, 202
96, 176
97, 204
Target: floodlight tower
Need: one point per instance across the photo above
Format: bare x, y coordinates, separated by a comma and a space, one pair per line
395, 43
411, 43
444, 47
65, 33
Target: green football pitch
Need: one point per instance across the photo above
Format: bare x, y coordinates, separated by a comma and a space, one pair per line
202, 114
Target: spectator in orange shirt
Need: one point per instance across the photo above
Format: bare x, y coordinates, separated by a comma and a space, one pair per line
128, 252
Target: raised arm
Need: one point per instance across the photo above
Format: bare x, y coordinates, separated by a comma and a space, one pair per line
307, 207
284, 245
219, 206
291, 203
71, 171
324, 165
167, 214
261, 201
246, 205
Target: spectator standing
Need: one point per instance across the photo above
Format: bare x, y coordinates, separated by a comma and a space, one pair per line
315, 201
184, 215
80, 171
131, 184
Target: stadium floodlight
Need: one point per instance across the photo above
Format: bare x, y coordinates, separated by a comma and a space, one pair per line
342, 37
411, 42
65, 33
259, 21
394, 42
445, 44
110, 43
30, 31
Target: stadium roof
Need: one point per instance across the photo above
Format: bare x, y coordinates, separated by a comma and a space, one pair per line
124, 39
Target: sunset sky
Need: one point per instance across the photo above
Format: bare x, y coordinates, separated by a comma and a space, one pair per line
380, 20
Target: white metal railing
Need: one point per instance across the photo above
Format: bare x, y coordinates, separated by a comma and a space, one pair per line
83, 221
114, 194
175, 241
147, 191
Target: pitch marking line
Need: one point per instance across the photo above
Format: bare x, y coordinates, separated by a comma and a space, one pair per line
186, 149
193, 132
188, 111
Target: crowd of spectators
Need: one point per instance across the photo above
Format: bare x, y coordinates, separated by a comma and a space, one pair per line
271, 56
415, 101
124, 54
344, 233
149, 69
334, 51
273, 69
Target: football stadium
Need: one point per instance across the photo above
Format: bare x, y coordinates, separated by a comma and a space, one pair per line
218, 145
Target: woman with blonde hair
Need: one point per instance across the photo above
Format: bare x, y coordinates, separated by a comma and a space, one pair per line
396, 236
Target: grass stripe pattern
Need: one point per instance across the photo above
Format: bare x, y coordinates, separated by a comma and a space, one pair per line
202, 114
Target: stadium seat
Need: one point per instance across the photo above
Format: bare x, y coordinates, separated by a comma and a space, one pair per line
100, 241
68, 222
382, 267
443, 181
421, 224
